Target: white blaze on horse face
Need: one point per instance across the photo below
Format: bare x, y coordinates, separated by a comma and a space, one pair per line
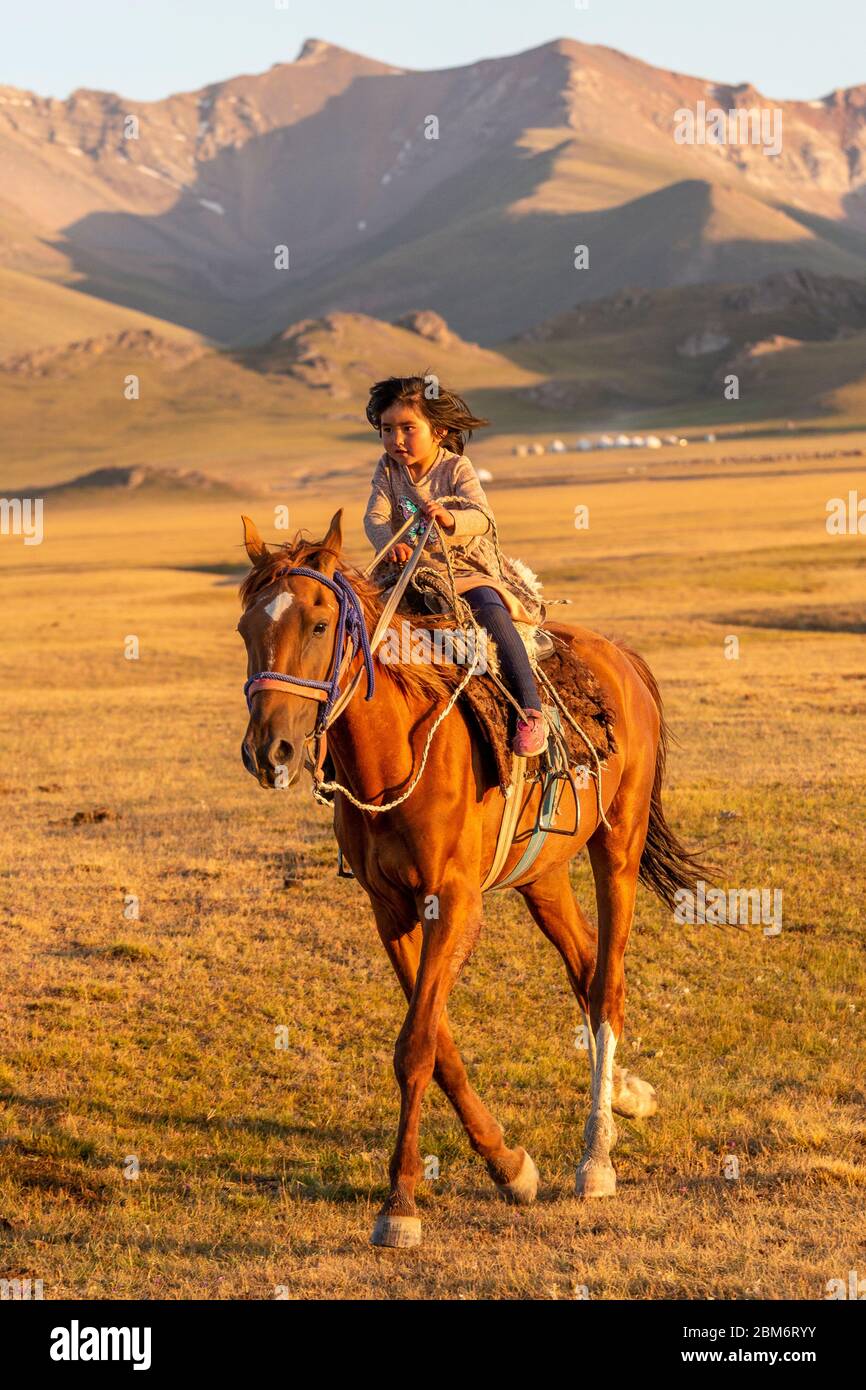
278, 605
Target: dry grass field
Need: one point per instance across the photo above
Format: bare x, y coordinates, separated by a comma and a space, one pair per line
262, 1168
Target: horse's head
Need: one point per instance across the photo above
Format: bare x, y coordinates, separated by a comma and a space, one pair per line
289, 625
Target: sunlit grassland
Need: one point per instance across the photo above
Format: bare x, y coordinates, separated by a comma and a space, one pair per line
263, 1167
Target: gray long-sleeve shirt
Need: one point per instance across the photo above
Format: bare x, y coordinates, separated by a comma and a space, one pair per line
394, 495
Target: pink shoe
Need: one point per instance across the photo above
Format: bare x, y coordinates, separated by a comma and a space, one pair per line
531, 736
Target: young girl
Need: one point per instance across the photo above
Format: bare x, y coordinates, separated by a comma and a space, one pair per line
424, 460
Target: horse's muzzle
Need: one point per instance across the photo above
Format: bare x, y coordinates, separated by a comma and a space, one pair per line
274, 763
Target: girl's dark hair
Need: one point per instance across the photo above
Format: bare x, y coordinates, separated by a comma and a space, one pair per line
445, 411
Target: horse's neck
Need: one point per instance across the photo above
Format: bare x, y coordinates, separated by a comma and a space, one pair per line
370, 742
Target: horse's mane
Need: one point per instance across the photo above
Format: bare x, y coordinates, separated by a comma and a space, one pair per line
421, 679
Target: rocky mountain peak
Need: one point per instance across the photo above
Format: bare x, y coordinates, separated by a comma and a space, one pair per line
427, 324
313, 50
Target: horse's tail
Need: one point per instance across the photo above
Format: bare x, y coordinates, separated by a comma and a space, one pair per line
666, 865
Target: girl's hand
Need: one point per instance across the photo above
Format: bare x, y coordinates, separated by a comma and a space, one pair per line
400, 554
431, 511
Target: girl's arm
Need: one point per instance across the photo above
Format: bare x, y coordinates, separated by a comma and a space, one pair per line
377, 517
468, 520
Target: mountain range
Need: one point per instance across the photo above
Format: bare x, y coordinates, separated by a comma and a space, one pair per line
463, 191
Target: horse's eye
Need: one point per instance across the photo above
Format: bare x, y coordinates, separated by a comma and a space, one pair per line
319, 629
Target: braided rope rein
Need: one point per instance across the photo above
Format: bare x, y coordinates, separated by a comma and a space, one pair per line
335, 786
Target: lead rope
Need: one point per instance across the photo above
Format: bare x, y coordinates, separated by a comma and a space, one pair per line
389, 805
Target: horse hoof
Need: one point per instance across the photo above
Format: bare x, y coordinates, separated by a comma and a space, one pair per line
522, 1189
635, 1099
594, 1179
397, 1232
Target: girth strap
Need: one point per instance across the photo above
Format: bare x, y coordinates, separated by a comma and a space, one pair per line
508, 824
552, 785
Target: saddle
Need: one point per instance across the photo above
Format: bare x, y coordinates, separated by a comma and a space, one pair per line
572, 679
578, 690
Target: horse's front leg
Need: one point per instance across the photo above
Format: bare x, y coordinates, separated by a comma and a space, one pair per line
448, 940
512, 1170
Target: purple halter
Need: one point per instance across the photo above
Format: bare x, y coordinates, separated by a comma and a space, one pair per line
351, 623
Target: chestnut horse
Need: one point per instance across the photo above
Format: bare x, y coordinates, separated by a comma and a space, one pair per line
422, 863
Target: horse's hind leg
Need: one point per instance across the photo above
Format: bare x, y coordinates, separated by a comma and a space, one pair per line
557, 912
615, 855
511, 1169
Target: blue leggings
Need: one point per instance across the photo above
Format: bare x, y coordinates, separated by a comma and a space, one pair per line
492, 614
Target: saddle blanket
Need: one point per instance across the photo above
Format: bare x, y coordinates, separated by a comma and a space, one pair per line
581, 695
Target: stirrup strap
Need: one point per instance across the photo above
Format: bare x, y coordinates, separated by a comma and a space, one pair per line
507, 826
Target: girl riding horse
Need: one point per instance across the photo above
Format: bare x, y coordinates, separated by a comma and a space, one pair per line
424, 437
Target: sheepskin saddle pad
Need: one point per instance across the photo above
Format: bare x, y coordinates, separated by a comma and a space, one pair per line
574, 682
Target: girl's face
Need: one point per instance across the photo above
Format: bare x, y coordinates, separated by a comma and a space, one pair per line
407, 435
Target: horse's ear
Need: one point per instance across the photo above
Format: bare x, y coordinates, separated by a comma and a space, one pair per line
333, 543
256, 548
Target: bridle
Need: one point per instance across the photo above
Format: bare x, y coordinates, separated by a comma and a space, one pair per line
351, 625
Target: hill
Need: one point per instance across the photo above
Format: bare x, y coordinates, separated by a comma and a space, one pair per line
290, 410
292, 407
342, 351
59, 360
44, 314
795, 341
105, 483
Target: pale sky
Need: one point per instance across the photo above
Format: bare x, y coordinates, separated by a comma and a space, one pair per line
146, 49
